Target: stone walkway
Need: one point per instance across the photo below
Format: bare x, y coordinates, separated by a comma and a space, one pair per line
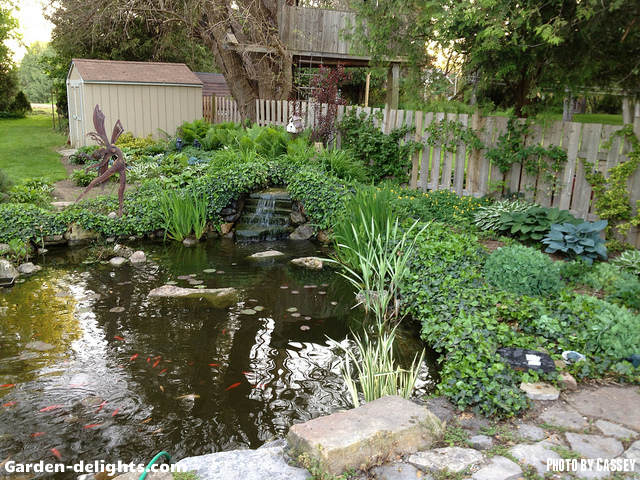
584, 434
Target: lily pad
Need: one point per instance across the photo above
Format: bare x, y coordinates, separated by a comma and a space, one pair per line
292, 309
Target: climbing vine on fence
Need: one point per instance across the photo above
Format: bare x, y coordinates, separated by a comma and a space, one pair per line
535, 159
450, 133
612, 199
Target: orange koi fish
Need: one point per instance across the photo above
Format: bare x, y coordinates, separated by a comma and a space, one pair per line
133, 357
214, 364
56, 453
9, 404
101, 406
118, 337
162, 371
115, 412
234, 385
8, 385
51, 407
155, 364
37, 434
92, 425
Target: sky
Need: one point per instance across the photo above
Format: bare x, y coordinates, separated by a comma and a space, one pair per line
33, 27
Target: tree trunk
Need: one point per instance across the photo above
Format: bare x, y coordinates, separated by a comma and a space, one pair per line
255, 64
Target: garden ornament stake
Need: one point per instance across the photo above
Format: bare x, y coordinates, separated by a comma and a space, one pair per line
108, 151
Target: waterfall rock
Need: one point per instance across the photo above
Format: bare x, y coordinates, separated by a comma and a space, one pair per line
297, 218
4, 248
218, 297
303, 232
265, 216
226, 228
312, 263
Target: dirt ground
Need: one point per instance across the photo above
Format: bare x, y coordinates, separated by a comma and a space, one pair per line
67, 191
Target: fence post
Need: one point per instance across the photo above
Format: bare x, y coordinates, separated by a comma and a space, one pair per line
473, 185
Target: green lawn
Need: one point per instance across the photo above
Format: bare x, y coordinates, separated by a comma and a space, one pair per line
28, 149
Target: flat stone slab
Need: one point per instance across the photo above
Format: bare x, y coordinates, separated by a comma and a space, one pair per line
633, 453
312, 263
260, 464
540, 391
531, 432
565, 417
365, 435
218, 297
150, 476
499, 468
616, 404
266, 254
481, 442
451, 459
398, 471
614, 430
535, 455
594, 446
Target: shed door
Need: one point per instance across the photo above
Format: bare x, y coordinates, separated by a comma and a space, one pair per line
76, 125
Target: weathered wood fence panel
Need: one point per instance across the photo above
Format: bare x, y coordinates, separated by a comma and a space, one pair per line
470, 172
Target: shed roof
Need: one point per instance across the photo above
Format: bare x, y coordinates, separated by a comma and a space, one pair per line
118, 71
214, 84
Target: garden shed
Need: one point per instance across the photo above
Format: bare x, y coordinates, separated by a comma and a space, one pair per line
149, 98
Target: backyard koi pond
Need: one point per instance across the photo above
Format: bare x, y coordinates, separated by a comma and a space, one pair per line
91, 368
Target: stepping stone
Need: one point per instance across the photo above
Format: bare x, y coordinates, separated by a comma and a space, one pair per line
195, 282
499, 468
565, 417
118, 261
540, 391
615, 404
398, 471
615, 430
260, 464
218, 297
248, 311
535, 455
451, 459
633, 453
594, 446
116, 309
481, 442
531, 432
312, 263
266, 254
383, 428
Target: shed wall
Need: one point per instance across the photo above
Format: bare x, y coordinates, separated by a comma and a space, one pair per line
142, 109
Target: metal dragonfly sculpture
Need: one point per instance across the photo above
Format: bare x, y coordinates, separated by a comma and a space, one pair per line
107, 152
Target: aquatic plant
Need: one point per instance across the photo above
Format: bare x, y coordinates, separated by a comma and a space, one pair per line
183, 213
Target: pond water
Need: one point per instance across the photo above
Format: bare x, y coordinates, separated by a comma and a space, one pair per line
91, 368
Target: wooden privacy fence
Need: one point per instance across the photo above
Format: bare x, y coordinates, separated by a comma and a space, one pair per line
470, 172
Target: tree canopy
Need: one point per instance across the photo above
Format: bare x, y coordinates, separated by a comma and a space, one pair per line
34, 81
8, 78
521, 47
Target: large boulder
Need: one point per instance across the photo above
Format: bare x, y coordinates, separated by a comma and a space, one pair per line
218, 297
260, 464
303, 232
364, 436
8, 272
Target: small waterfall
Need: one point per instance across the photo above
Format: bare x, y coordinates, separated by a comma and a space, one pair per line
266, 216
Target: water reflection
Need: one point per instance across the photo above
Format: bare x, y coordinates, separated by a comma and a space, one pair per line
126, 376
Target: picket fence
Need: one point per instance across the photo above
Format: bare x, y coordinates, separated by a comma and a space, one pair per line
470, 172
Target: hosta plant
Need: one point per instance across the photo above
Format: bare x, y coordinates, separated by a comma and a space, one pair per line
534, 223
488, 217
629, 260
582, 240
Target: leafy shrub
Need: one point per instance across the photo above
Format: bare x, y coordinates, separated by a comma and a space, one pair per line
439, 205
522, 270
582, 240
343, 164
5, 184
83, 155
629, 260
196, 130
488, 217
33, 191
20, 105
129, 140
617, 285
533, 223
26, 222
220, 135
389, 155
82, 177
